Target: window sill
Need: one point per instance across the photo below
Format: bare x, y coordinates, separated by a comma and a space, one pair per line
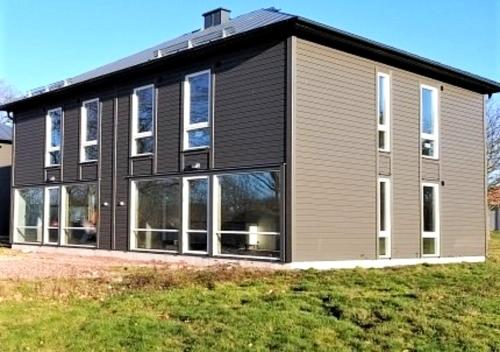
145, 156
429, 158
88, 162
196, 149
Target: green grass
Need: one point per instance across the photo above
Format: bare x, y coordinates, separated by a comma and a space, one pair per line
422, 308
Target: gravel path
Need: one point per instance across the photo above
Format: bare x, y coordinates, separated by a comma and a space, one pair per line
18, 265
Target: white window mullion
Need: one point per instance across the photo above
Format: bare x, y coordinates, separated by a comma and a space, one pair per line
384, 219
187, 125
136, 136
384, 101
435, 233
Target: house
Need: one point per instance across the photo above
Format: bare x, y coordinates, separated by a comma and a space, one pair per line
265, 137
5, 171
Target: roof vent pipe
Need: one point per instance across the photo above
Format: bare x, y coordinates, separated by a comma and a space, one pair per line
216, 17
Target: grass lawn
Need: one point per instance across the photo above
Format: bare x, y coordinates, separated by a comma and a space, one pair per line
422, 308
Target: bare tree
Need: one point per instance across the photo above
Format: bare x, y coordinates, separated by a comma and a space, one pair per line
493, 141
7, 93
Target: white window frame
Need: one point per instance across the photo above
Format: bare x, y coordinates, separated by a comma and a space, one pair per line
48, 137
83, 129
436, 235
46, 212
132, 222
216, 204
185, 215
16, 226
386, 127
135, 135
388, 216
62, 217
435, 110
188, 126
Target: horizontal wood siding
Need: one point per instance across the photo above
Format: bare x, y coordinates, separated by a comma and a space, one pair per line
30, 147
462, 152
406, 165
106, 162
250, 108
71, 143
430, 170
384, 164
335, 153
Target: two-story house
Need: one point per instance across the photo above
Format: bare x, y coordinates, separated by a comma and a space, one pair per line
265, 136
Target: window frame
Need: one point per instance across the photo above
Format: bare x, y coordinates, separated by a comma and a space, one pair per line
132, 223
434, 137
187, 125
84, 143
387, 234
46, 214
436, 234
185, 215
135, 134
63, 204
15, 223
48, 137
386, 127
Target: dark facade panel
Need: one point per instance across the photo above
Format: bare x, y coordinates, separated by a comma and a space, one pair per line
71, 142
53, 174
250, 107
142, 166
88, 171
192, 159
30, 146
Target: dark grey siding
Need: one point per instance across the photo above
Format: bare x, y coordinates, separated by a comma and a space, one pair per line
5, 174
250, 108
71, 142
142, 166
30, 145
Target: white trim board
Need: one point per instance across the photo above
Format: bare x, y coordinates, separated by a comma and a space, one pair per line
204, 261
383, 263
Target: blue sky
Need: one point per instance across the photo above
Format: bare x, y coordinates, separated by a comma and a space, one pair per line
43, 41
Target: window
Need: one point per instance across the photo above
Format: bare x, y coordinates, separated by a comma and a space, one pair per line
197, 110
248, 219
195, 212
53, 137
51, 229
28, 219
384, 217
80, 215
155, 218
430, 219
384, 112
143, 115
429, 121
89, 149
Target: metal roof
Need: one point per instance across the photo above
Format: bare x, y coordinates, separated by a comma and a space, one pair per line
238, 25
5, 133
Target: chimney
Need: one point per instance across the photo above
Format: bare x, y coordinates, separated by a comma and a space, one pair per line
216, 17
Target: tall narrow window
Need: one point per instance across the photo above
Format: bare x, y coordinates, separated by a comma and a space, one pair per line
384, 218
89, 149
53, 137
51, 215
195, 200
197, 110
28, 218
430, 219
429, 121
143, 116
155, 214
384, 112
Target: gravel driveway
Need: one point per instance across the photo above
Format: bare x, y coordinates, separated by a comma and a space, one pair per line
18, 265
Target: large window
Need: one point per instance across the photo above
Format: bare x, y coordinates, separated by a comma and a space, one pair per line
143, 116
51, 228
249, 214
197, 110
195, 214
53, 137
429, 121
384, 217
80, 215
430, 219
384, 112
28, 221
155, 218
89, 149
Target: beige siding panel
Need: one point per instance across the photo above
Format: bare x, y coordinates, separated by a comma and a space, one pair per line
430, 170
384, 164
5, 154
335, 153
463, 224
